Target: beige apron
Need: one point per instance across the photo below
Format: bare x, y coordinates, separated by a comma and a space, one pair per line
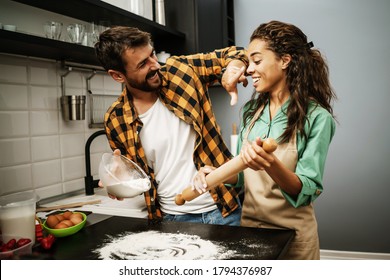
265, 206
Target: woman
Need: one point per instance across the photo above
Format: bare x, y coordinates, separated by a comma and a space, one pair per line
291, 103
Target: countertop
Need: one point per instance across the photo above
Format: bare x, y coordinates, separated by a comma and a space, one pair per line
129, 207
166, 240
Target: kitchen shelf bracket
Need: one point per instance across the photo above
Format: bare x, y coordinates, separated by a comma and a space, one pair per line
63, 76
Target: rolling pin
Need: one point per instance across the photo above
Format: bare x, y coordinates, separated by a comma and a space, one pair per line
222, 173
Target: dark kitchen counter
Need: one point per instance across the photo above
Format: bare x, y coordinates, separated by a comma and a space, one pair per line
247, 243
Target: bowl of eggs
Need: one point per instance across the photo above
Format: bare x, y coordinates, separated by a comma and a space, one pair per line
64, 224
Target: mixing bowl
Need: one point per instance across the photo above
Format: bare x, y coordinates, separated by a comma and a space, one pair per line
122, 177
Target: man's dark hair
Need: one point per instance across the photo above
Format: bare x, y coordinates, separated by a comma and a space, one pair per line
114, 41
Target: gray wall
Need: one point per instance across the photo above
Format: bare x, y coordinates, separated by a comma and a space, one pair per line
354, 35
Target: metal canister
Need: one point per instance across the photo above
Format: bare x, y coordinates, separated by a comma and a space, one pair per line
73, 107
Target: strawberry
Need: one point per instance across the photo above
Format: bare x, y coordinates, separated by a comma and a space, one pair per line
47, 241
22, 241
11, 244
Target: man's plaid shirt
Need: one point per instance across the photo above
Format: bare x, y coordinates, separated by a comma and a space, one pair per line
185, 93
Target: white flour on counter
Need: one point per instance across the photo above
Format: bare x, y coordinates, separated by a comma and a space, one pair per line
152, 245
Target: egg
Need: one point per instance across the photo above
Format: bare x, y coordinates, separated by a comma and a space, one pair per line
76, 215
76, 220
60, 225
60, 217
52, 221
67, 214
68, 223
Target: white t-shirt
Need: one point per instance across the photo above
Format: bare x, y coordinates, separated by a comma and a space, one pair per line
168, 143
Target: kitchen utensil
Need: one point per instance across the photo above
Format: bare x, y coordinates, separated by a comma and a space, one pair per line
122, 177
76, 32
234, 140
17, 215
73, 107
53, 30
69, 205
66, 231
222, 173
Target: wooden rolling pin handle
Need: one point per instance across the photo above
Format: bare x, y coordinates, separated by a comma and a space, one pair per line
222, 173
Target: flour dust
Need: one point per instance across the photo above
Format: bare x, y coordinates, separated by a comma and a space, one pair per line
154, 245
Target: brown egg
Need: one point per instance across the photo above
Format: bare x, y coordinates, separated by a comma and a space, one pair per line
68, 223
60, 217
76, 220
52, 221
67, 214
61, 225
76, 215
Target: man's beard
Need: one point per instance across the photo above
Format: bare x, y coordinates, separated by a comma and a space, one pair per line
145, 86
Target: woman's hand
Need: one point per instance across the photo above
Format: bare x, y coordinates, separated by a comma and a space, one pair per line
199, 181
254, 156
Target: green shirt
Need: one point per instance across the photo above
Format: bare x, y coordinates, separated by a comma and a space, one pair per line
312, 153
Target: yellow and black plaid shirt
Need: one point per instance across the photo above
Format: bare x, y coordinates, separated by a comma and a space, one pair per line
184, 92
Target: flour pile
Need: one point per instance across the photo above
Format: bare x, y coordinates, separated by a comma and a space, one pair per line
154, 245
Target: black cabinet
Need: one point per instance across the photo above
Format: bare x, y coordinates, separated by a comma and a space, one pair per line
165, 38
191, 26
208, 24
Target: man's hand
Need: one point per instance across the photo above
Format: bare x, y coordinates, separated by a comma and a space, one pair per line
232, 76
116, 152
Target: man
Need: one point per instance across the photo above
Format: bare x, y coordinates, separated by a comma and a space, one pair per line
164, 122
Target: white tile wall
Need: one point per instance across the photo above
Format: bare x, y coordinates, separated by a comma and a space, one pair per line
15, 151
38, 149
13, 97
14, 124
